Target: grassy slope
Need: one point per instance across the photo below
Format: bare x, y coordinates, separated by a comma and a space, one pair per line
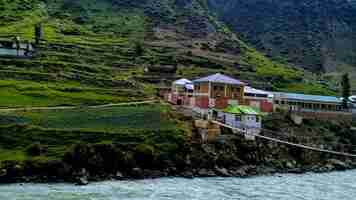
74, 58
91, 44
95, 119
58, 130
22, 93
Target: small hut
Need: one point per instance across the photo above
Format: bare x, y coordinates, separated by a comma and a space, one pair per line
182, 92
245, 118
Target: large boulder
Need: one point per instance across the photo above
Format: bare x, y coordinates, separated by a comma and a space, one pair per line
222, 172
82, 181
206, 173
187, 174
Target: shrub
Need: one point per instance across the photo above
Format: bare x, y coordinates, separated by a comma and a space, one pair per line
144, 155
36, 149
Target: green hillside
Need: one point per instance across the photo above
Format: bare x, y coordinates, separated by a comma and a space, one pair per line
95, 52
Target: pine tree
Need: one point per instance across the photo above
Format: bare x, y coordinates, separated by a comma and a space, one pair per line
345, 83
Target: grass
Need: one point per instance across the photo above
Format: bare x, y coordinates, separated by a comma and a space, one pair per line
109, 119
15, 140
267, 68
20, 93
307, 88
58, 130
15, 155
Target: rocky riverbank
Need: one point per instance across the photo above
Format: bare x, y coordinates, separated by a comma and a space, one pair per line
227, 158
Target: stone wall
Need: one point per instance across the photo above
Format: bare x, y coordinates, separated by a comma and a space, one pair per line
327, 116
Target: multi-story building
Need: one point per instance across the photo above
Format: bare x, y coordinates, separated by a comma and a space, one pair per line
217, 91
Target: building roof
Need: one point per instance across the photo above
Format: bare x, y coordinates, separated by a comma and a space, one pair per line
241, 109
219, 78
252, 90
182, 81
352, 99
307, 97
189, 86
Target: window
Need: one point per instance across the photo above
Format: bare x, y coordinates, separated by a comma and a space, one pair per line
276, 102
238, 118
219, 88
258, 119
262, 95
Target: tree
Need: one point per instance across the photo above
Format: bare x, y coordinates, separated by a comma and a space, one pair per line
139, 50
345, 84
38, 33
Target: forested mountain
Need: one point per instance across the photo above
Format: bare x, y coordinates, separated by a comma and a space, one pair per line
315, 34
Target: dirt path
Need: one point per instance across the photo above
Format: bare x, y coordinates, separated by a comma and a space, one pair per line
76, 107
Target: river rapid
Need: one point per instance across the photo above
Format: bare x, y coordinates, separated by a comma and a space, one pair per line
327, 186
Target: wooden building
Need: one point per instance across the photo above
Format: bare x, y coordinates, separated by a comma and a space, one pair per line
217, 91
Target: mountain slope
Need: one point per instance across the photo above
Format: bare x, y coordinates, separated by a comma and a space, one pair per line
123, 49
315, 34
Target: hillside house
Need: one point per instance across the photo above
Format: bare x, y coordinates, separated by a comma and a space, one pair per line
258, 99
217, 91
9, 49
245, 118
182, 92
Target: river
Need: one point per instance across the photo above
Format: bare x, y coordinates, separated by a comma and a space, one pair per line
330, 186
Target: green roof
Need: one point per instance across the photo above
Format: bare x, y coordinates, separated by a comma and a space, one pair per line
241, 109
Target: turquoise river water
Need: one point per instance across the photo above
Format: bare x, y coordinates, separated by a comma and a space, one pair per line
329, 186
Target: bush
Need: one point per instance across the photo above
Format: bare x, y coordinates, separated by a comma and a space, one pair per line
36, 149
139, 50
79, 155
144, 155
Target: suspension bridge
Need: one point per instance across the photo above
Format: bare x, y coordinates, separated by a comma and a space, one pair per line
272, 138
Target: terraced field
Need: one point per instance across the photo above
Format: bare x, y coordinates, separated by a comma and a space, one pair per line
108, 119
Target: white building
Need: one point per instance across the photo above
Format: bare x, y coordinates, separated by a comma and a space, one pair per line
245, 118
